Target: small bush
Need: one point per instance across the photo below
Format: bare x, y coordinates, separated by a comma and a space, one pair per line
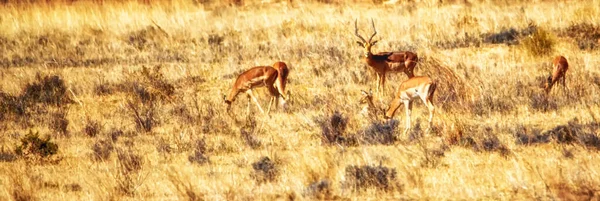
379, 133
488, 104
48, 89
321, 190
144, 115
59, 123
585, 34
491, 143
509, 36
380, 177
264, 170
333, 130
248, 133
11, 105
32, 147
540, 102
572, 132
540, 43
92, 128
102, 150
199, 155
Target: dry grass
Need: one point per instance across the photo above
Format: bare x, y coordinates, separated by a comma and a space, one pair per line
130, 94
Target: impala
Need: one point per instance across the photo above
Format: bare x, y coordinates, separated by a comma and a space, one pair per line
273, 77
368, 107
383, 62
560, 66
415, 87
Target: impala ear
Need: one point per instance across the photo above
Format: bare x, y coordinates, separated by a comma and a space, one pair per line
374, 42
360, 43
364, 93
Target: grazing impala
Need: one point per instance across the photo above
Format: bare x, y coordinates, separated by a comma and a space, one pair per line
383, 62
560, 66
273, 77
415, 87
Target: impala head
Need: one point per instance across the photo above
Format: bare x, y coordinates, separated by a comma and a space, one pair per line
548, 84
366, 44
366, 97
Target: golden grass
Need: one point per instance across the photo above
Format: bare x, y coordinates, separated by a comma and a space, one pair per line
488, 93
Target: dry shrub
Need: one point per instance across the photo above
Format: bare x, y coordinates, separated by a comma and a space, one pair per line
248, 133
379, 133
92, 128
11, 105
59, 123
147, 94
509, 36
466, 40
321, 190
151, 37
572, 132
333, 130
479, 139
33, 148
586, 35
7, 155
130, 165
452, 89
265, 170
488, 103
540, 43
541, 102
48, 90
491, 143
102, 150
199, 155
379, 177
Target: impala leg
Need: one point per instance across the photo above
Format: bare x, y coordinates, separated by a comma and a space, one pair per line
382, 85
378, 84
255, 101
407, 108
269, 108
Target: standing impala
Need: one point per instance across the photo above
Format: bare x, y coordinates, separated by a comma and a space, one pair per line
273, 77
383, 62
560, 66
415, 87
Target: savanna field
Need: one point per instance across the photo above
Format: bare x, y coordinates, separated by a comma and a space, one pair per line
124, 101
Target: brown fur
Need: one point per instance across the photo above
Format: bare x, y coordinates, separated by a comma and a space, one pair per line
416, 87
273, 77
383, 62
560, 66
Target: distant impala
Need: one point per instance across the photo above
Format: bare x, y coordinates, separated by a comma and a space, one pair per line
273, 77
560, 66
383, 62
415, 87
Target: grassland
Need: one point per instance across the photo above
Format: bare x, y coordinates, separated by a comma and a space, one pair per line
131, 94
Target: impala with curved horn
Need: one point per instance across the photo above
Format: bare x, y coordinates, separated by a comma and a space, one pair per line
383, 62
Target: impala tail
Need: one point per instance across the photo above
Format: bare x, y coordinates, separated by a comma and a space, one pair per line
431, 91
